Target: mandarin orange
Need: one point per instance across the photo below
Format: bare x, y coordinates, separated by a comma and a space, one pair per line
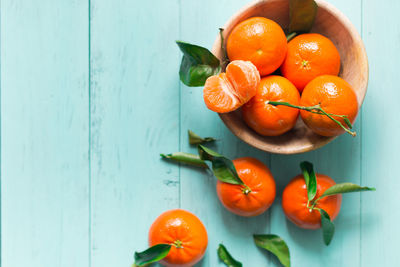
254, 198
335, 96
295, 202
259, 40
309, 56
184, 232
269, 120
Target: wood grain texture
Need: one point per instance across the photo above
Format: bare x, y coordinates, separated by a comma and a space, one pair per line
81, 176
200, 25
44, 133
381, 126
340, 159
134, 118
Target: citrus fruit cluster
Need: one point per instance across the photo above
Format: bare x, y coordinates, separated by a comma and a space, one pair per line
297, 77
273, 79
246, 187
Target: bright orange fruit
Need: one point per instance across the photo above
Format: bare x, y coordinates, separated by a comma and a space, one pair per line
228, 91
309, 56
269, 120
255, 199
185, 232
294, 202
335, 96
259, 40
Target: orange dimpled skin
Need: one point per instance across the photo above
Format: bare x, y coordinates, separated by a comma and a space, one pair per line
255, 199
259, 40
185, 232
335, 96
309, 56
294, 202
228, 91
269, 120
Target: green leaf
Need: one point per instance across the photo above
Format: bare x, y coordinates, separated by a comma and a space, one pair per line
275, 245
186, 158
227, 258
198, 63
328, 228
310, 179
302, 14
152, 254
222, 167
345, 188
194, 139
348, 123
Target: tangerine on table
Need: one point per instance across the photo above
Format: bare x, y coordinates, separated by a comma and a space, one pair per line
269, 120
259, 40
228, 91
335, 96
295, 199
254, 199
185, 232
309, 56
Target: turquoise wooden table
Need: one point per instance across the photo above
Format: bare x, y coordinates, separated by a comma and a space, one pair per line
90, 96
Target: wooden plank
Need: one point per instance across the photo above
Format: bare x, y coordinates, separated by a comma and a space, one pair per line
380, 142
199, 24
44, 133
134, 118
340, 160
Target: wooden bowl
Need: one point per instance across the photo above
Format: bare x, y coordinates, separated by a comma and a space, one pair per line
329, 22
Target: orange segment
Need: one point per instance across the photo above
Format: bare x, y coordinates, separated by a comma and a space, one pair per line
218, 94
244, 78
228, 91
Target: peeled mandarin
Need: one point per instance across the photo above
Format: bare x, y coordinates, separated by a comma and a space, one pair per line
228, 91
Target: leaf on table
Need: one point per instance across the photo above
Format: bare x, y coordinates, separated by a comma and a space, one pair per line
345, 188
276, 245
328, 228
195, 139
186, 158
302, 14
198, 63
310, 179
227, 258
222, 167
152, 254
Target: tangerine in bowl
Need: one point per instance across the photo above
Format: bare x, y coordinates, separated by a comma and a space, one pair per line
330, 23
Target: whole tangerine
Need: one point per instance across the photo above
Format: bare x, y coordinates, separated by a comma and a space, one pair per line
254, 198
259, 40
295, 202
335, 96
184, 232
309, 56
269, 120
